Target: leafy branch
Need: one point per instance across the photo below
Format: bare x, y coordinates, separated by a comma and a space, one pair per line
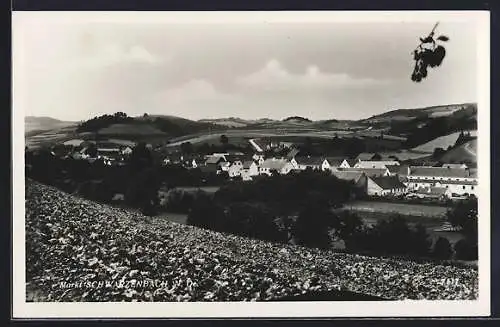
428, 54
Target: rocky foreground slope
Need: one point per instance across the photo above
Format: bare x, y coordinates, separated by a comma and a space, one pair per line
77, 250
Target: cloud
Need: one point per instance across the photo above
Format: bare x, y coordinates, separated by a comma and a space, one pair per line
273, 76
191, 91
114, 54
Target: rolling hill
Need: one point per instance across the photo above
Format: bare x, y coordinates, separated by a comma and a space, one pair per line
440, 142
427, 112
37, 124
466, 152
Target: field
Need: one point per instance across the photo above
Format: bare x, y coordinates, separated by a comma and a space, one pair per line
415, 210
441, 142
131, 129
466, 152
431, 217
200, 265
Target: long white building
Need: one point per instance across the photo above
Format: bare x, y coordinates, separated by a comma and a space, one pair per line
458, 180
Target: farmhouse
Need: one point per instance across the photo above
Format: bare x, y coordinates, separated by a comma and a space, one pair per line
433, 192
215, 159
224, 165
315, 163
366, 156
375, 164
235, 168
259, 158
369, 172
249, 169
127, 150
338, 162
354, 176
280, 165
385, 185
459, 181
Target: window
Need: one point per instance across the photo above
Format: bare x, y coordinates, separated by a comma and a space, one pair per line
472, 187
463, 187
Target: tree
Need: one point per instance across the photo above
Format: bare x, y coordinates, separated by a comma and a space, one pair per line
92, 150
186, 147
224, 140
313, 225
142, 191
466, 250
141, 157
419, 243
393, 236
351, 230
464, 215
438, 152
442, 249
205, 213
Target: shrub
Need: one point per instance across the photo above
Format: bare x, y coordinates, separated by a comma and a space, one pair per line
313, 225
442, 249
466, 250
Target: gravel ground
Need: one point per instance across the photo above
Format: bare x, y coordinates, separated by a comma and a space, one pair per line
137, 258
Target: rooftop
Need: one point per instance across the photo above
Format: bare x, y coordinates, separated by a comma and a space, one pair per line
439, 172
274, 164
388, 182
309, 161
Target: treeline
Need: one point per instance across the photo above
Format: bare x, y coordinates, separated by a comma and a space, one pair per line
139, 180
316, 225
300, 210
96, 123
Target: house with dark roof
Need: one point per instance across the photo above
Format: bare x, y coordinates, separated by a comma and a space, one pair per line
365, 156
375, 163
338, 162
315, 163
214, 160
281, 166
249, 169
385, 185
370, 172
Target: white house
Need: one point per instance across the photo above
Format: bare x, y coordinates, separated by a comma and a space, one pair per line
459, 181
282, 166
375, 164
235, 168
127, 150
249, 170
336, 162
385, 185
259, 158
315, 163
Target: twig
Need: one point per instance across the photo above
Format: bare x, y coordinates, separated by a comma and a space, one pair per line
431, 34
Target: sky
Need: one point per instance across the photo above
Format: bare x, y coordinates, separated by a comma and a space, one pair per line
79, 67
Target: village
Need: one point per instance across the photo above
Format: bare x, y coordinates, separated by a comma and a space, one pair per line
372, 173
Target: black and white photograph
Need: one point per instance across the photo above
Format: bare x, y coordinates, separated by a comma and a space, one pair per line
239, 164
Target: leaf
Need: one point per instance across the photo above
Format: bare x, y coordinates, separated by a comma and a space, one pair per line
443, 38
